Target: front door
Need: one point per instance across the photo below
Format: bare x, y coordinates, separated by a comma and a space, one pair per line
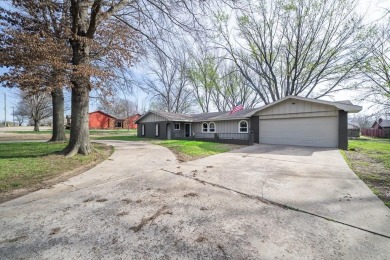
187, 130
169, 131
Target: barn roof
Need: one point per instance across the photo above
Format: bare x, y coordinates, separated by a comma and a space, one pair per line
101, 112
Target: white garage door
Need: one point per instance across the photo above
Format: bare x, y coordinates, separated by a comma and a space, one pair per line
319, 131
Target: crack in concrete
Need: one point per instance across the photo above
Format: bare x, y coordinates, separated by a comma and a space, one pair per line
277, 204
265, 158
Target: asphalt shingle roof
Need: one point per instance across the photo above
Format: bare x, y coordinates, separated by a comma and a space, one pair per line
385, 123
345, 105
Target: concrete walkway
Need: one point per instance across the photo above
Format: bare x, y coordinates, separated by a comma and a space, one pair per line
143, 204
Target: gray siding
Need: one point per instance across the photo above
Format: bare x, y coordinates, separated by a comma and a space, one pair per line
297, 108
230, 126
178, 133
150, 129
255, 128
151, 117
343, 130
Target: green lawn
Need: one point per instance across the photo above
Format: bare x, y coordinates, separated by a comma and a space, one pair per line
91, 132
378, 149
194, 148
185, 150
120, 138
27, 164
369, 158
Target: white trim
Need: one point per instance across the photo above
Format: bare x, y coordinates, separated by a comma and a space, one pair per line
215, 127
143, 130
174, 127
157, 129
247, 126
207, 129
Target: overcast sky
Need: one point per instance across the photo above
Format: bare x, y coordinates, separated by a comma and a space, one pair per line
372, 9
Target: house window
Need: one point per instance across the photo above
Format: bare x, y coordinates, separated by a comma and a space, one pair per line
142, 130
243, 126
205, 127
157, 129
177, 126
118, 123
212, 127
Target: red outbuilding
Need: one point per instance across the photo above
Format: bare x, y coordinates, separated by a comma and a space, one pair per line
101, 120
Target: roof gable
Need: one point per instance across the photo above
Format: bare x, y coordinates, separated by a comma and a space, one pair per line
101, 112
341, 105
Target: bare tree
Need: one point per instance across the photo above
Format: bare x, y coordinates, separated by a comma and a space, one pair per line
21, 113
300, 47
375, 70
131, 19
232, 88
167, 81
118, 106
203, 75
363, 121
36, 105
217, 83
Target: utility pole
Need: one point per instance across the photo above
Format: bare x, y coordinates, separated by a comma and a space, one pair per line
5, 109
13, 116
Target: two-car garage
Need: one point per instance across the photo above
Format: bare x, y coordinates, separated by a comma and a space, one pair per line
321, 132
304, 122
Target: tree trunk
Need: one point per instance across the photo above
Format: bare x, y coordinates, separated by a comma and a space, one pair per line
79, 141
36, 125
58, 134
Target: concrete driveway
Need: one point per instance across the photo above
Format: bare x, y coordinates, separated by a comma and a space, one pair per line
261, 202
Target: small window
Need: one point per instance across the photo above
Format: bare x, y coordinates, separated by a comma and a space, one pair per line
212, 127
142, 130
157, 129
205, 127
119, 123
243, 126
177, 126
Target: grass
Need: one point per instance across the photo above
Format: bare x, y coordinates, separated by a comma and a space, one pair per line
190, 150
378, 148
28, 164
91, 132
120, 138
369, 158
42, 132
185, 150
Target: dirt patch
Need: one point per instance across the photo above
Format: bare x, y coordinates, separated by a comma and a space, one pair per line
200, 239
127, 201
144, 221
191, 194
15, 239
23, 137
122, 214
372, 172
55, 231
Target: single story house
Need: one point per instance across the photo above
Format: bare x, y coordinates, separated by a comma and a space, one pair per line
381, 124
290, 121
102, 120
